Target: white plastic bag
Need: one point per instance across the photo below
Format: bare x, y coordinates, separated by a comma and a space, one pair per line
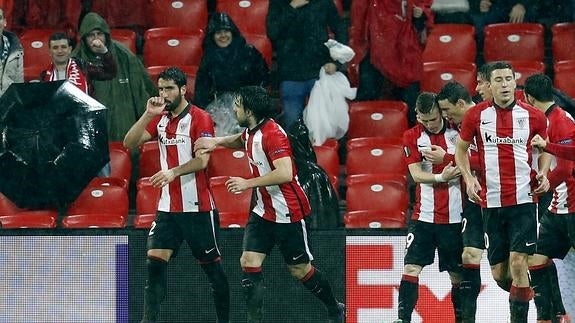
326, 114
339, 52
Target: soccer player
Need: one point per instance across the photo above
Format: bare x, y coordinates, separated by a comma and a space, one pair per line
556, 230
506, 186
185, 209
454, 102
436, 220
280, 208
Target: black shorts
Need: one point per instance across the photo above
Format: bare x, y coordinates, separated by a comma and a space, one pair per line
472, 226
198, 229
510, 228
424, 238
262, 235
556, 235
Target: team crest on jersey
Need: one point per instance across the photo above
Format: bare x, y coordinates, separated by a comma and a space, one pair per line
521, 123
452, 139
255, 163
183, 126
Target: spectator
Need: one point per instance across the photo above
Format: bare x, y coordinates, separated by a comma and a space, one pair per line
186, 207
390, 56
280, 204
228, 63
298, 30
11, 57
125, 95
77, 71
451, 11
436, 220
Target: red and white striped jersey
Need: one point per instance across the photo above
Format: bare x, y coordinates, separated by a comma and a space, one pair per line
439, 203
503, 137
561, 130
176, 137
284, 203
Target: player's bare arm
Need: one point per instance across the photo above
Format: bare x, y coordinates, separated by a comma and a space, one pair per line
208, 144
283, 173
163, 177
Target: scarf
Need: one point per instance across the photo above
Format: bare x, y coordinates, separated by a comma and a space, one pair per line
5, 48
74, 75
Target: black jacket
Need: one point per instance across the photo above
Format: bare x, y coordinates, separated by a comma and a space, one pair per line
227, 69
298, 36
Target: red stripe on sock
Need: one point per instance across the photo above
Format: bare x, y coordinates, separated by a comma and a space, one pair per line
209, 262
521, 294
537, 267
252, 269
411, 279
472, 266
157, 259
308, 275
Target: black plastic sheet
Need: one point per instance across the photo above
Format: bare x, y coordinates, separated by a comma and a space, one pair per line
53, 141
314, 181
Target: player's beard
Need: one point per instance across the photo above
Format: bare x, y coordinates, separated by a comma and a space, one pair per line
172, 105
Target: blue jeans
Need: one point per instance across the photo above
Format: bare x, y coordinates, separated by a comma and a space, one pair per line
293, 96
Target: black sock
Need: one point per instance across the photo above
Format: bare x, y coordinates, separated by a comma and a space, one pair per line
556, 298
156, 287
220, 289
456, 301
469, 291
519, 298
408, 294
318, 285
541, 286
252, 284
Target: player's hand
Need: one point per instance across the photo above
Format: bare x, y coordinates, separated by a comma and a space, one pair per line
162, 178
538, 142
155, 106
473, 188
434, 155
237, 185
450, 172
543, 184
204, 145
517, 14
98, 46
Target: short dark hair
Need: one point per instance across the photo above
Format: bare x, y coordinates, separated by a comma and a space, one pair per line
175, 74
499, 65
453, 91
484, 71
425, 102
539, 86
59, 35
255, 99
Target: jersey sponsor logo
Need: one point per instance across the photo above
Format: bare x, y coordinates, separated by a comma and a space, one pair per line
503, 140
171, 141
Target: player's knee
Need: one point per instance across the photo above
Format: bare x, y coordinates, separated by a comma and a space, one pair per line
300, 270
412, 270
471, 256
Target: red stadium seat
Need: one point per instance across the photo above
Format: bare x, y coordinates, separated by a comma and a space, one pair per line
375, 219
374, 192
509, 41
229, 162
452, 43
100, 207
32, 73
109, 181
374, 155
233, 208
36, 44
173, 48
7, 207
563, 41
563, 77
262, 44
249, 16
524, 69
377, 119
147, 198
328, 159
190, 15
191, 72
120, 163
149, 162
126, 37
436, 74
33, 219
